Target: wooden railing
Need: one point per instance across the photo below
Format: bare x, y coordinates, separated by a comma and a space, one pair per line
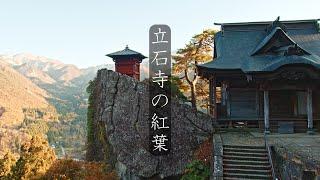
270, 157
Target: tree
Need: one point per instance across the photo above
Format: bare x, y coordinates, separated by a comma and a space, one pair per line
6, 165
90, 124
198, 50
175, 86
35, 159
71, 169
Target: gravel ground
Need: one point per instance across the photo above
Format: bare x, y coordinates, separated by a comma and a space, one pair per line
240, 137
305, 146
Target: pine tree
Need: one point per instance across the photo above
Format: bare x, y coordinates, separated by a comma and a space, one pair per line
35, 159
198, 50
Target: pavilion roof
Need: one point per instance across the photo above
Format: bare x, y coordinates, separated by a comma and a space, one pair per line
265, 46
125, 53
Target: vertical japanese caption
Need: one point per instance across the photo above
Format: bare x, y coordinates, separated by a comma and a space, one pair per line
159, 89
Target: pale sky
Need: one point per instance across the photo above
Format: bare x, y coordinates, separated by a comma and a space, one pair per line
81, 32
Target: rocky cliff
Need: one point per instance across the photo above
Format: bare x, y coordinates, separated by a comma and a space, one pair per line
119, 129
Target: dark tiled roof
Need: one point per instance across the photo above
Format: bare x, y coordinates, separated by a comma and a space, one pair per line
237, 43
125, 53
277, 32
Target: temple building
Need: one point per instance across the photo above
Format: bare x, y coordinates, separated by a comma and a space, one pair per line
268, 75
127, 62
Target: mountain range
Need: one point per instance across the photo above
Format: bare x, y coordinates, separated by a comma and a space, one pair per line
38, 92
44, 95
42, 70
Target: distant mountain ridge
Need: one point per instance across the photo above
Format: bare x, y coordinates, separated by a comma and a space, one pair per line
44, 70
21, 58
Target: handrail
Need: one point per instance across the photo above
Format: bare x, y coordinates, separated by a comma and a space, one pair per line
269, 157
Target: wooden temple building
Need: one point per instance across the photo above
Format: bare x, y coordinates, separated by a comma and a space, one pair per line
127, 62
268, 75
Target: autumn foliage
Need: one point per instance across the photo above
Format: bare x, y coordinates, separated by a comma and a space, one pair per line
35, 159
204, 152
38, 161
197, 51
71, 169
199, 168
6, 164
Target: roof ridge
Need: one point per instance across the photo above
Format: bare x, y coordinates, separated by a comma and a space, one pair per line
268, 38
266, 22
126, 52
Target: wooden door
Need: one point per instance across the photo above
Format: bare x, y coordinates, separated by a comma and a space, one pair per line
243, 104
281, 103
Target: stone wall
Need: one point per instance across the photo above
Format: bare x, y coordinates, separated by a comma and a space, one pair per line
121, 128
290, 165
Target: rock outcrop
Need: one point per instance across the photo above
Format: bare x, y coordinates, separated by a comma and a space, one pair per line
121, 126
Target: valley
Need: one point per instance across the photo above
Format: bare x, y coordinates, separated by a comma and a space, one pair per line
39, 95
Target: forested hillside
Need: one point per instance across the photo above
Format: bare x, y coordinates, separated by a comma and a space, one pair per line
39, 95
21, 102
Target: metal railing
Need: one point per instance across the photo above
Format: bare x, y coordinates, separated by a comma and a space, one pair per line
270, 157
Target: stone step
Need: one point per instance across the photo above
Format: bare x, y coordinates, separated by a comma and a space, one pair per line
247, 171
243, 146
248, 158
248, 176
245, 162
228, 149
245, 166
234, 178
250, 154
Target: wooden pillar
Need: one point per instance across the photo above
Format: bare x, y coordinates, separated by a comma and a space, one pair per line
214, 98
225, 98
309, 111
257, 103
228, 101
266, 112
210, 108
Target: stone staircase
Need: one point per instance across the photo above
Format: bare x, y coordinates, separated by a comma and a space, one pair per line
246, 162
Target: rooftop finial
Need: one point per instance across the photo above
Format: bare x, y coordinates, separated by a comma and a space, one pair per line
276, 23
127, 47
